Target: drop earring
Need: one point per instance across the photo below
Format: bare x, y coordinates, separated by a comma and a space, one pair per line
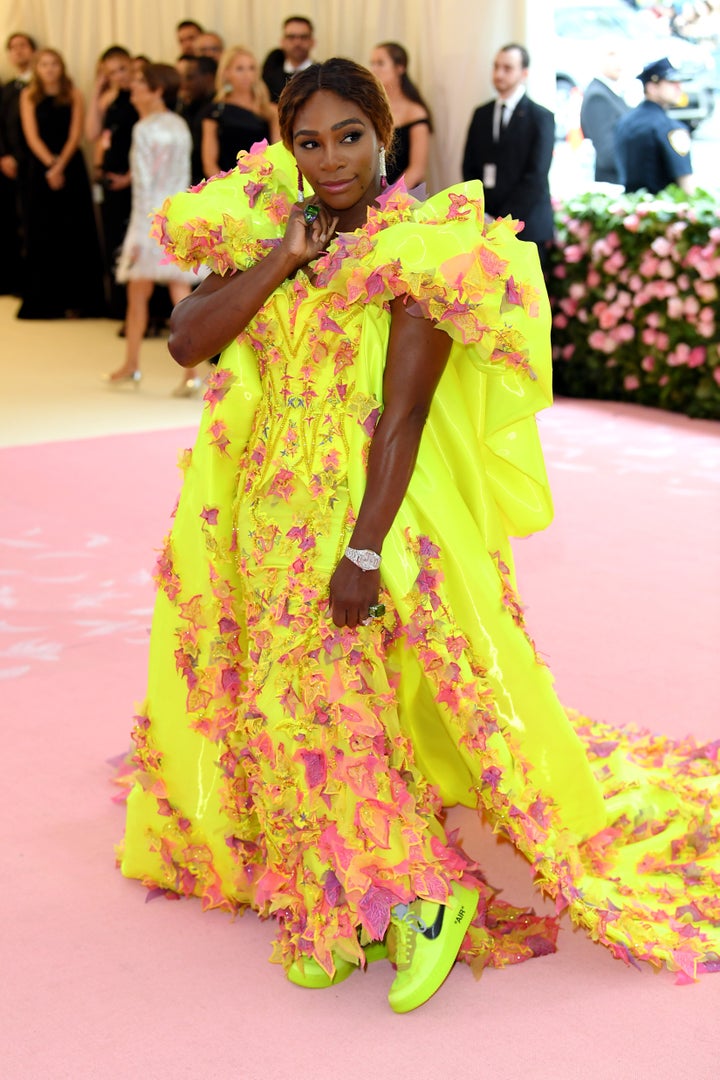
301, 187
383, 169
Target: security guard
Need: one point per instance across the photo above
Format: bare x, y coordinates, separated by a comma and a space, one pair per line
652, 149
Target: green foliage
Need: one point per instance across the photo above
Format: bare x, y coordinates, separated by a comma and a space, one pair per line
634, 289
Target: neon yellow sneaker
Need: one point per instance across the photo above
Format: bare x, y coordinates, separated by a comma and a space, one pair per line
308, 973
428, 937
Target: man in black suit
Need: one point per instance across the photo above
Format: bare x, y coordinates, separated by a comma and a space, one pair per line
293, 55
602, 107
510, 146
21, 50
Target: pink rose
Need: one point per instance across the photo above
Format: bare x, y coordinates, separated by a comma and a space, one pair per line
697, 356
649, 266
577, 290
691, 306
593, 278
714, 234
653, 319
573, 253
567, 351
707, 314
706, 290
635, 283
663, 380
706, 329
560, 271
631, 382
661, 246
631, 222
666, 269
607, 319
596, 340
679, 355
675, 307
613, 264
716, 375
683, 282
662, 341
560, 321
648, 363
648, 336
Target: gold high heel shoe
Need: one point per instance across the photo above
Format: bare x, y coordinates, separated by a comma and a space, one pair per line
132, 378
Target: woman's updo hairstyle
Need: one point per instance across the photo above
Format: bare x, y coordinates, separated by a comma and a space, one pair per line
348, 80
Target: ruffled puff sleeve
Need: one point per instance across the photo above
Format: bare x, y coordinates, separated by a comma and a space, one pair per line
230, 221
473, 277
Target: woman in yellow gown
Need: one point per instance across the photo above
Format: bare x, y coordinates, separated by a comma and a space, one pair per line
338, 651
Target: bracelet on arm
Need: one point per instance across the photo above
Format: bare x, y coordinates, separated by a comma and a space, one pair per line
363, 557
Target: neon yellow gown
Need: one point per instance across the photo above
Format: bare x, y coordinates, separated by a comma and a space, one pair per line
302, 770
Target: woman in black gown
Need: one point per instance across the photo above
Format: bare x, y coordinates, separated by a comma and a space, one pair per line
242, 114
411, 116
64, 265
109, 125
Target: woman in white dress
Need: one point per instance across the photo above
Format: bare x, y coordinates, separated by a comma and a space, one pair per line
159, 166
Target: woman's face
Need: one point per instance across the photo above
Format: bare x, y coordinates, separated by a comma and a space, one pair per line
141, 96
383, 67
118, 72
241, 72
49, 69
336, 147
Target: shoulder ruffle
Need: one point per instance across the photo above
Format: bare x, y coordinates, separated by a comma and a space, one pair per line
472, 277
230, 221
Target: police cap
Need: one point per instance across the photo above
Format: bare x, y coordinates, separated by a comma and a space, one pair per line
658, 70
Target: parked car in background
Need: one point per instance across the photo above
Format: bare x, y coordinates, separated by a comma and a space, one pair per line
584, 30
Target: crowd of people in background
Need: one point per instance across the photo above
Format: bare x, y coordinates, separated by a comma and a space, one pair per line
152, 128
193, 117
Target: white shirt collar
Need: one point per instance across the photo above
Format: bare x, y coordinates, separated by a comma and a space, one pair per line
290, 70
511, 102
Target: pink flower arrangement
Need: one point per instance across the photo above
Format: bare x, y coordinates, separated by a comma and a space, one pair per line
633, 286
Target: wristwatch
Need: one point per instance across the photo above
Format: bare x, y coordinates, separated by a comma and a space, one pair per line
363, 557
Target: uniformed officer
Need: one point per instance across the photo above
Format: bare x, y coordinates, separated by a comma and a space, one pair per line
654, 150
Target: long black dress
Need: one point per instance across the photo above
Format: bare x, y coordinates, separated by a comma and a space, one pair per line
120, 118
238, 129
64, 265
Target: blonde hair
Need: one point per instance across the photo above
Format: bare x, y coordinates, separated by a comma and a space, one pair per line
259, 91
36, 90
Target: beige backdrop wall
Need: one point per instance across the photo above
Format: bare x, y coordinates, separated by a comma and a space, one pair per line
450, 42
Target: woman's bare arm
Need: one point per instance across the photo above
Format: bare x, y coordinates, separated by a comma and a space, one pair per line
221, 307
210, 148
274, 123
417, 354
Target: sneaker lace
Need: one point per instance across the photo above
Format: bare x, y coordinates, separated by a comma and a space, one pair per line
407, 925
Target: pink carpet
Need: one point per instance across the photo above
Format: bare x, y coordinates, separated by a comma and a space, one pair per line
623, 596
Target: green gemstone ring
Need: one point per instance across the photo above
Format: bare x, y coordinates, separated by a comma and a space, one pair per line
311, 213
376, 611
